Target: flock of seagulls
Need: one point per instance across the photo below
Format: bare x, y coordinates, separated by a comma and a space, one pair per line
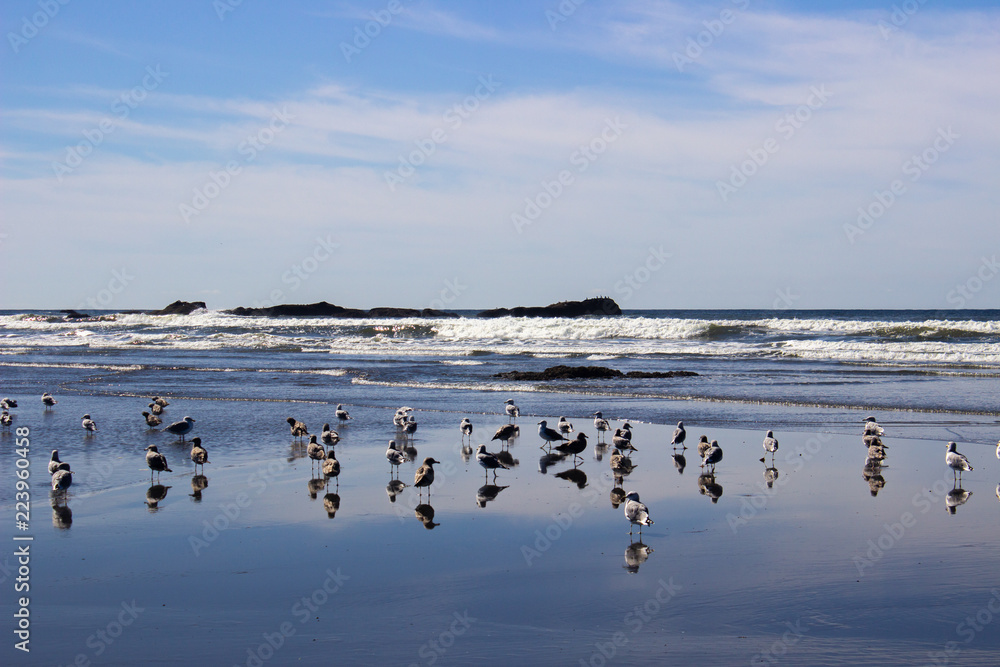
320, 451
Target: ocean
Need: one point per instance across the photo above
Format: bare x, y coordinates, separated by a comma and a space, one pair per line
813, 556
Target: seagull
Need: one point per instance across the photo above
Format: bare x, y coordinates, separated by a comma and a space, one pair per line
425, 475
574, 447
298, 428
957, 462
342, 414
48, 401
703, 446
151, 420
331, 467
159, 401
315, 450
410, 427
547, 434
998, 449
6, 420
871, 439
679, 435
155, 408
636, 513
399, 419
156, 461
601, 424
396, 457
466, 428
198, 454
329, 436
712, 455
506, 432
770, 444
54, 462
627, 431
489, 461
62, 478
872, 427
8, 403
564, 426
513, 412
621, 442
88, 424
181, 427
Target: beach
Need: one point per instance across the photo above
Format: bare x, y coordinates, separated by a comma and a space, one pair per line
256, 563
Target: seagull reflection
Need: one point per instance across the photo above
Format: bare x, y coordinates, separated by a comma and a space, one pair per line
680, 461
617, 495
410, 450
574, 475
198, 484
316, 485
707, 486
331, 503
154, 495
62, 515
506, 458
621, 464
635, 555
770, 475
548, 460
488, 492
600, 449
425, 513
872, 472
957, 496
394, 488
466, 453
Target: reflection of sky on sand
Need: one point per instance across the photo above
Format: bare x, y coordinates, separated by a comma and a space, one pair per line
546, 568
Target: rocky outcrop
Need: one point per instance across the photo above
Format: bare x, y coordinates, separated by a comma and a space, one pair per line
74, 315
587, 373
598, 306
179, 308
324, 309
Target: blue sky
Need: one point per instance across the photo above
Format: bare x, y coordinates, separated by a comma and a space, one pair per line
482, 154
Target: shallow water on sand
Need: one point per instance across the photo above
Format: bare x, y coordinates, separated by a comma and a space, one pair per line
253, 569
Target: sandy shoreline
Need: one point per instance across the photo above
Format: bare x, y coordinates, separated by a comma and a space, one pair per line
541, 568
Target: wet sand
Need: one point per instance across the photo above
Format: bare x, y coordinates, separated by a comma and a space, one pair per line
247, 567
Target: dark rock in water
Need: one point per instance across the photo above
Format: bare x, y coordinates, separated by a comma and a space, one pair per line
179, 308
587, 373
598, 306
73, 315
324, 309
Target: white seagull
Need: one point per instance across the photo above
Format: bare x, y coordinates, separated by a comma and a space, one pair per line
712, 455
564, 426
636, 513
396, 457
957, 462
88, 424
680, 435
54, 462
48, 401
342, 414
489, 461
513, 412
465, 427
329, 436
600, 423
547, 434
770, 444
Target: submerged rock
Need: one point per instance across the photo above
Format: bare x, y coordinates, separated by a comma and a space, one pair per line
587, 373
324, 309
